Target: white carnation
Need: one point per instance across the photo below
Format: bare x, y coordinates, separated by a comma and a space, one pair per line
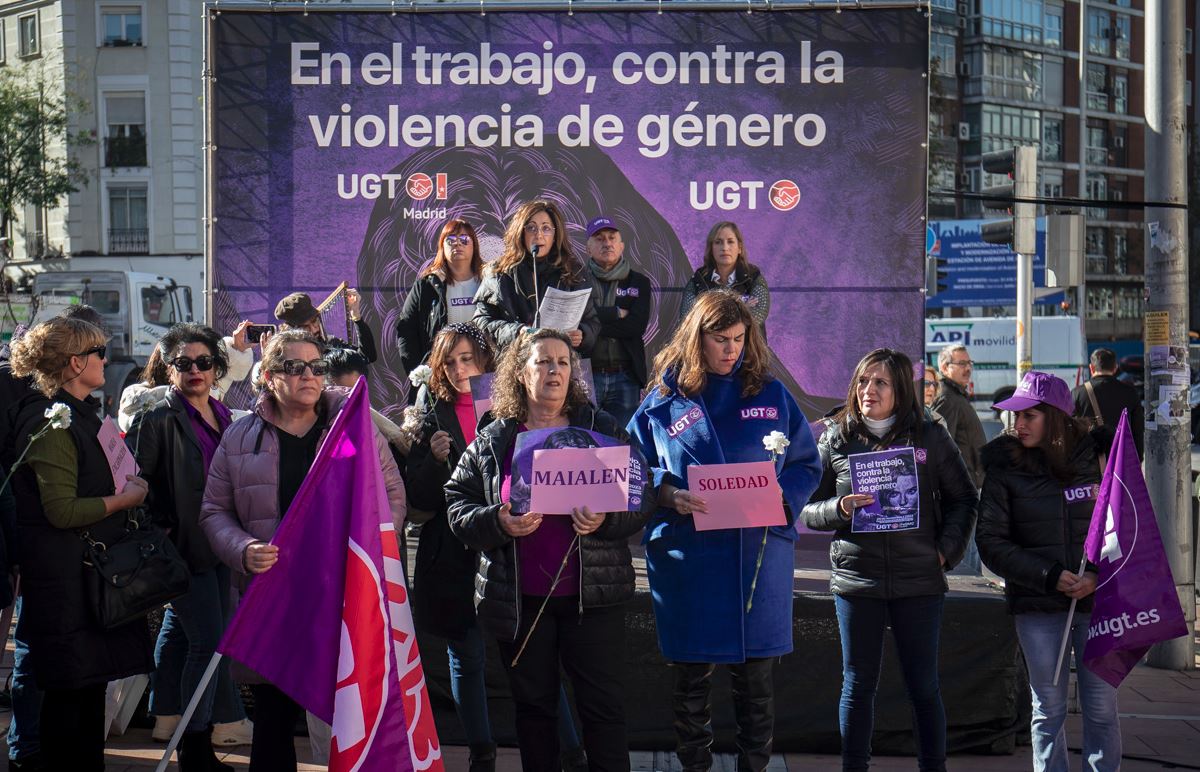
59, 415
776, 443
420, 375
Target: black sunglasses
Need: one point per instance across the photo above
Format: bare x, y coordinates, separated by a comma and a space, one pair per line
319, 367
101, 350
184, 364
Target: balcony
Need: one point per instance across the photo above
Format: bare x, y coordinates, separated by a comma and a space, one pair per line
128, 241
124, 151
1097, 156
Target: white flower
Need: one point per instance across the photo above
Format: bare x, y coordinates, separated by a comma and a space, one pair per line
147, 402
420, 375
59, 415
776, 443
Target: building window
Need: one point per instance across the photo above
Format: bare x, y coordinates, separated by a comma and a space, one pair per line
1118, 153
1187, 40
1003, 127
1, 42
1012, 74
1120, 242
1097, 258
1121, 34
1052, 183
1019, 20
125, 135
1121, 94
1097, 190
1128, 303
1097, 92
945, 5
128, 225
1052, 27
1098, 34
1099, 303
121, 25
941, 50
1052, 139
1097, 146
27, 34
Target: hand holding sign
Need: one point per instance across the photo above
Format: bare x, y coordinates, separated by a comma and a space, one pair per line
586, 521
517, 526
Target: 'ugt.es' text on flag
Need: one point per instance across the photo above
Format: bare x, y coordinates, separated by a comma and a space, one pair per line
330, 624
1136, 605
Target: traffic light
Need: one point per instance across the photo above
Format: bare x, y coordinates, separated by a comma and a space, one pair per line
1020, 230
936, 275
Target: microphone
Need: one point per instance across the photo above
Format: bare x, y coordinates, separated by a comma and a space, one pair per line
534, 250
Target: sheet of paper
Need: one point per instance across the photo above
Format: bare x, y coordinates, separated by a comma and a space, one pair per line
566, 478
120, 457
743, 495
481, 394
891, 477
561, 310
530, 444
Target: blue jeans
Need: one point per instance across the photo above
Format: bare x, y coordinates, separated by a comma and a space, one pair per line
916, 624
23, 735
1041, 636
191, 629
470, 693
618, 395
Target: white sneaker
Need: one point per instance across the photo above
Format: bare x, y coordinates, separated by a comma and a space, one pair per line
164, 727
232, 733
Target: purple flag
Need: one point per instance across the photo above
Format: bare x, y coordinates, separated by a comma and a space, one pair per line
330, 624
1136, 605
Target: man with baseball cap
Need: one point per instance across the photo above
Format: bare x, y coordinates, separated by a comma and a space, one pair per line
297, 312
622, 299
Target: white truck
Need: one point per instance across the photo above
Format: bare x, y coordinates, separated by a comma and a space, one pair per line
1059, 348
137, 307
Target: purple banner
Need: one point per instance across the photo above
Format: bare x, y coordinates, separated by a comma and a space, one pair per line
344, 140
1136, 605
891, 477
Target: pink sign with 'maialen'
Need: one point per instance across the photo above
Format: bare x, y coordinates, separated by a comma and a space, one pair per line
570, 478
737, 495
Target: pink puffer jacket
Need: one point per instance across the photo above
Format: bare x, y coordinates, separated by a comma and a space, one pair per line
241, 500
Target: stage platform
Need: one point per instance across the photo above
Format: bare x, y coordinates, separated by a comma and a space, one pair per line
984, 684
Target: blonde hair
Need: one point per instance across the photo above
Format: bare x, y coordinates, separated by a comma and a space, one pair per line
509, 397
46, 350
714, 311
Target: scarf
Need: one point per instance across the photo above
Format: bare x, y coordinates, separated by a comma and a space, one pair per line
607, 279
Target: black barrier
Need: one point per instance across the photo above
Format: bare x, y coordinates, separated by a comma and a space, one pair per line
984, 684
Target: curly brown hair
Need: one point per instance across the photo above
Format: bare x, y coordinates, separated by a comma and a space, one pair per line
561, 256
444, 343
509, 397
46, 350
909, 409
683, 357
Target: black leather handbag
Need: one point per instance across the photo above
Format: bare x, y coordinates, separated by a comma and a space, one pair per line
133, 571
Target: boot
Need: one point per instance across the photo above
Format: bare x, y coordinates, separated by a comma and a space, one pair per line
693, 715
574, 760
754, 708
483, 757
196, 753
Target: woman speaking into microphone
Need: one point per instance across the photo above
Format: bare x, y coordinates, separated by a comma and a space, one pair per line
712, 401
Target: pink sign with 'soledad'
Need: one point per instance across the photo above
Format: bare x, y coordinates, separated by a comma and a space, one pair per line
737, 495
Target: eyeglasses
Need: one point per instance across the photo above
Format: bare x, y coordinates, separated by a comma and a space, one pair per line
963, 363
463, 239
319, 367
532, 230
101, 350
184, 364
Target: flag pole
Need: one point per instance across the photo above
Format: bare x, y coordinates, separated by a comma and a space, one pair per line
1062, 649
191, 709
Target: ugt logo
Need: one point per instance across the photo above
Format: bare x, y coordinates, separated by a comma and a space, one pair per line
685, 421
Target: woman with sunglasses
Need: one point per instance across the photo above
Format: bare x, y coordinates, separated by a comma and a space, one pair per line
537, 254
254, 475
65, 485
175, 443
444, 293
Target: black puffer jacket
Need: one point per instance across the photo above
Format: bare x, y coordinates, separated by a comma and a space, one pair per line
905, 563
505, 304
444, 574
1031, 525
473, 499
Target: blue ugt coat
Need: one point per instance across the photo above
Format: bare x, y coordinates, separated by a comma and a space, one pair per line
700, 580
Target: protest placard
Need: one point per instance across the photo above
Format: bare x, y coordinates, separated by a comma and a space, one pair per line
120, 457
586, 481
743, 495
891, 477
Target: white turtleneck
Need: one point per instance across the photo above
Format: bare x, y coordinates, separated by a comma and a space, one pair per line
880, 428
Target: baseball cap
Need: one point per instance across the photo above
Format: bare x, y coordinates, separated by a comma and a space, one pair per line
1038, 388
599, 224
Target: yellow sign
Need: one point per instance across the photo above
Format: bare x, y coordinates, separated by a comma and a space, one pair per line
1157, 328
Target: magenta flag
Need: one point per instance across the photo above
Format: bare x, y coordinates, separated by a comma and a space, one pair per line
330, 624
1136, 605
